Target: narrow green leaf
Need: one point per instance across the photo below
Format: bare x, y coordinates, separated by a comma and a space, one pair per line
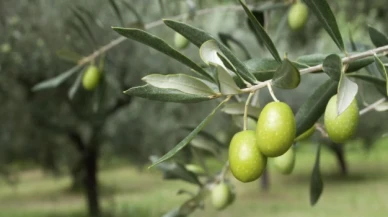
69, 55
382, 107
262, 69
208, 136
117, 11
377, 38
286, 76
74, 88
332, 66
352, 43
227, 85
160, 45
239, 108
202, 143
261, 18
313, 108
383, 71
368, 78
316, 183
176, 170
166, 95
359, 64
311, 59
227, 38
198, 37
190, 137
347, 91
181, 82
56, 81
261, 32
322, 10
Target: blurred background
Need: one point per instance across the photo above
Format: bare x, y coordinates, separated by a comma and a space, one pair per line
87, 155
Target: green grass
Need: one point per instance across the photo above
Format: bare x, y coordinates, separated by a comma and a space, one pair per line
130, 192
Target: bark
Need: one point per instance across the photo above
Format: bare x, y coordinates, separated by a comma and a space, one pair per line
91, 183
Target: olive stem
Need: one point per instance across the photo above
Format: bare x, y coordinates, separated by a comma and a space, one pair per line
372, 106
272, 93
247, 103
224, 170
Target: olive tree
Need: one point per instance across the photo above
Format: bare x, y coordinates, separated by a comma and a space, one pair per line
235, 84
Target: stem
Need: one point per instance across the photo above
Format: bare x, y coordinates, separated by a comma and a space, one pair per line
372, 106
246, 110
224, 170
272, 93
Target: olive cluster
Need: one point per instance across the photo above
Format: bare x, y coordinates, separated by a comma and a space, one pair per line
275, 135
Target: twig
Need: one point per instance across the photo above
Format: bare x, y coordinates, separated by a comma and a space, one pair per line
372, 106
272, 93
345, 60
247, 103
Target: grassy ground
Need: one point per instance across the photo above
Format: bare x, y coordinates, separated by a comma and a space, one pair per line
134, 193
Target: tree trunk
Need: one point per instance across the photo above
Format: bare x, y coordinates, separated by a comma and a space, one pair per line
91, 182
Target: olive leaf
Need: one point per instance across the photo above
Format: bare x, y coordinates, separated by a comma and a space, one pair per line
322, 11
262, 69
239, 109
383, 71
382, 107
190, 137
209, 54
160, 45
74, 88
68, 55
198, 37
332, 66
287, 76
174, 170
316, 183
313, 108
377, 38
181, 82
165, 94
347, 91
57, 80
261, 32
228, 39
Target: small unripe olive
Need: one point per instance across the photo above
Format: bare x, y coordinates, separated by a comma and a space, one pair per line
246, 161
307, 134
195, 169
297, 16
285, 163
180, 41
91, 78
340, 127
220, 196
276, 129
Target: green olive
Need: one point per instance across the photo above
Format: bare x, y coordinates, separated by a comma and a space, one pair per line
297, 16
91, 78
246, 161
307, 134
180, 41
195, 169
285, 163
341, 127
220, 196
276, 129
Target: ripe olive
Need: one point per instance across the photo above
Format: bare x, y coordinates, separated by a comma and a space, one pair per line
297, 16
221, 196
285, 163
246, 161
91, 78
180, 41
195, 169
276, 129
340, 127
307, 134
